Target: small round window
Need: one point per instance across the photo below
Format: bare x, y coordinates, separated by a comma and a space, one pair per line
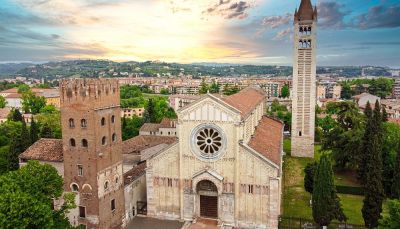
208, 141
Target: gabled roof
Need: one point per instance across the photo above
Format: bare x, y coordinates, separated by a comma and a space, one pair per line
267, 139
45, 149
141, 142
246, 100
150, 127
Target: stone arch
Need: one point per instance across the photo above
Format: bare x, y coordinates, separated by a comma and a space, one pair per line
86, 188
211, 176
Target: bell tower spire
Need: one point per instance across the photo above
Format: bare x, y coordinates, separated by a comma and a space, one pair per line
304, 80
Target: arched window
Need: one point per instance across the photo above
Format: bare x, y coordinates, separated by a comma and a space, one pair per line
72, 142
114, 137
106, 185
74, 188
116, 180
103, 121
83, 123
104, 140
71, 123
84, 143
112, 119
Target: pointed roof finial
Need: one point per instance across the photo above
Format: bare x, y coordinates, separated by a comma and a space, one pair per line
306, 11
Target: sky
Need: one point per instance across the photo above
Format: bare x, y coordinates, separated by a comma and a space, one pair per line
350, 32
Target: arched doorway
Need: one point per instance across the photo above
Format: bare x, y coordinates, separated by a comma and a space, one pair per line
208, 194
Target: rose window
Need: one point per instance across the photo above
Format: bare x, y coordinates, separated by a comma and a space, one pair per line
208, 141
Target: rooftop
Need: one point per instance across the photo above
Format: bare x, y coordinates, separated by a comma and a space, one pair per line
45, 149
134, 173
246, 100
141, 142
267, 139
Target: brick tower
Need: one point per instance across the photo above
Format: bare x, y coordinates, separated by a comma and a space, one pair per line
91, 130
304, 80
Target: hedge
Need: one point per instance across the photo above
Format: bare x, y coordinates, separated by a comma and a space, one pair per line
350, 190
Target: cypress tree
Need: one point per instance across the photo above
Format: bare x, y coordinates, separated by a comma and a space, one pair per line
149, 113
384, 114
25, 138
325, 202
374, 192
34, 132
14, 151
396, 178
16, 116
309, 172
362, 153
46, 132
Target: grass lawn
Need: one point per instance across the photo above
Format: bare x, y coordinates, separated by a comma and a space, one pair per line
296, 201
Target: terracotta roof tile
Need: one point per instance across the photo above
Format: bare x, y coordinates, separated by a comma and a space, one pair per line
45, 149
246, 100
267, 139
168, 123
4, 112
139, 143
134, 173
150, 127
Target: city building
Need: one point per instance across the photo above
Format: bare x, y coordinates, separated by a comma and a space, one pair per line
304, 80
130, 112
321, 92
362, 99
4, 112
396, 89
180, 100
167, 127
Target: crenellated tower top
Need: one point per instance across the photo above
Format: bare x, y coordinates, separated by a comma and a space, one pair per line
95, 93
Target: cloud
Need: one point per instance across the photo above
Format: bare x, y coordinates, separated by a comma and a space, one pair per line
380, 16
277, 21
283, 33
331, 15
229, 10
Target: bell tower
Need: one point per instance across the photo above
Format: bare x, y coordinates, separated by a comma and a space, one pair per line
91, 131
304, 80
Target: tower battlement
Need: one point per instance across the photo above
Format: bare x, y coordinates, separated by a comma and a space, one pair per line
90, 92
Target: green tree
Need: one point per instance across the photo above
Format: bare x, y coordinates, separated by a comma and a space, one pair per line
149, 113
15, 149
203, 87
32, 103
325, 202
395, 189
48, 109
285, 93
25, 138
3, 102
346, 92
384, 115
53, 121
374, 192
214, 88
34, 132
309, 172
164, 91
26, 197
390, 148
15, 116
46, 132
130, 127
392, 220
23, 88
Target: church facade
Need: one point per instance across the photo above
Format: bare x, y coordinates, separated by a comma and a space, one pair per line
226, 165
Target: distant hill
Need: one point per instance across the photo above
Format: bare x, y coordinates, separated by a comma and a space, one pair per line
106, 68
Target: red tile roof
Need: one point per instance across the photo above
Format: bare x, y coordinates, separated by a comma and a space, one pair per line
246, 100
168, 123
267, 139
139, 143
45, 149
4, 112
150, 127
134, 173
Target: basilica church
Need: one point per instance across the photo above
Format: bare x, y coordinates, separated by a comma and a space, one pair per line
226, 164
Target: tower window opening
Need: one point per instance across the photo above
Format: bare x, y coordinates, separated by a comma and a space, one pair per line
113, 205
74, 187
113, 119
84, 143
80, 170
299, 133
82, 212
104, 141
106, 185
83, 123
114, 137
72, 142
71, 123
103, 121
